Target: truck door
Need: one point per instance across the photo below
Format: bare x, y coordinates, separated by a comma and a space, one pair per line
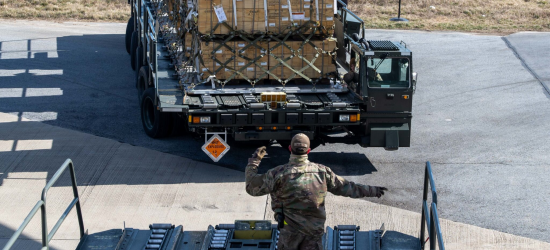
389, 84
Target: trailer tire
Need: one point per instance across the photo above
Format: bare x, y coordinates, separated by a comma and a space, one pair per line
155, 123
284, 144
129, 31
133, 47
312, 145
142, 81
139, 62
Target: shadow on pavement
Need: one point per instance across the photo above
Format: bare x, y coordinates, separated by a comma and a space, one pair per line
24, 242
85, 83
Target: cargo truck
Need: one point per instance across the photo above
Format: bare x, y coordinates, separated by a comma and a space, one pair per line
259, 70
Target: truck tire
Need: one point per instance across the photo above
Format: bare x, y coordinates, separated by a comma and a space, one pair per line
155, 123
129, 31
139, 61
313, 144
133, 47
142, 81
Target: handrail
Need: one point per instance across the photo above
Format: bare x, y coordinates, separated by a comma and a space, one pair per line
430, 216
345, 8
46, 238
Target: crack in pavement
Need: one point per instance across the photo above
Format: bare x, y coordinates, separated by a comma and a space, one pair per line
539, 79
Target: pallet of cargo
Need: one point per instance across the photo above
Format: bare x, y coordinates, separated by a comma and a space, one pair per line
205, 68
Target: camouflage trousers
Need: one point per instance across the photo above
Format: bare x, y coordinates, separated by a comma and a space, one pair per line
292, 240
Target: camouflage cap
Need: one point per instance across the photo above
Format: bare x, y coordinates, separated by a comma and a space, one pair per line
300, 143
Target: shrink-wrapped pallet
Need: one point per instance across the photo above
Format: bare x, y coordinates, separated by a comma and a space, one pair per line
259, 16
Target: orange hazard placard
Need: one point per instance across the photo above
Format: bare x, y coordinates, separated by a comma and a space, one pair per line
215, 148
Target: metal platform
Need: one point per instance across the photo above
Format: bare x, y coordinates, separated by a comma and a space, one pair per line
245, 235
222, 237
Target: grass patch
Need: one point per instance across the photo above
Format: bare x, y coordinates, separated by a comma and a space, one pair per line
84, 10
482, 16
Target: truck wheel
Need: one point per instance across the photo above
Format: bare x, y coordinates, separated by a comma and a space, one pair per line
129, 31
142, 81
313, 144
284, 144
139, 61
155, 123
133, 47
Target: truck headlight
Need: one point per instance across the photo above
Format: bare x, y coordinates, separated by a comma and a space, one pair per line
205, 119
344, 118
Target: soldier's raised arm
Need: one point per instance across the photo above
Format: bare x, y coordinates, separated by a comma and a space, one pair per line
257, 184
340, 186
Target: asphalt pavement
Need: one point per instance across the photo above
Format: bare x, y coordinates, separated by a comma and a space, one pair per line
481, 116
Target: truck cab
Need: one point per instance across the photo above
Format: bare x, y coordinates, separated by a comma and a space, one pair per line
381, 74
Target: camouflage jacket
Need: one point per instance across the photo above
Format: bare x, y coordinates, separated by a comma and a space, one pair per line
298, 190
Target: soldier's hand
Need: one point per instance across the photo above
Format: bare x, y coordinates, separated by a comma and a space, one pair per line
260, 153
380, 191
280, 218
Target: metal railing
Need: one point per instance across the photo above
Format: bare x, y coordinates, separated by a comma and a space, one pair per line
430, 216
41, 204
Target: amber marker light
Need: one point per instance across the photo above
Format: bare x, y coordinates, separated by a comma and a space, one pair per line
406, 97
288, 128
196, 119
260, 128
353, 118
274, 128
190, 119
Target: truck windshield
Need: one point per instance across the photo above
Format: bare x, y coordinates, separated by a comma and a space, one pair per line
388, 72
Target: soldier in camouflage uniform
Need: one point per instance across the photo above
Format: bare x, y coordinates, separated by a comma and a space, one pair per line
298, 191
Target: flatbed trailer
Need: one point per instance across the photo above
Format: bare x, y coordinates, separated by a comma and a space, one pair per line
245, 235
371, 112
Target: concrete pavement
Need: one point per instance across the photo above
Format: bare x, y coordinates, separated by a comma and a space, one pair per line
479, 113
481, 116
120, 183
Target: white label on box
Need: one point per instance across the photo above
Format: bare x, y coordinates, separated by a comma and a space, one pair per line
189, 48
241, 63
306, 6
329, 18
219, 51
295, 24
204, 69
226, 69
307, 0
329, 5
250, 69
284, 6
217, 64
241, 45
263, 63
298, 15
307, 19
271, 24
284, 18
220, 13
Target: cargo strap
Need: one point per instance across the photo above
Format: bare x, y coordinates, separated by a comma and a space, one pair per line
185, 60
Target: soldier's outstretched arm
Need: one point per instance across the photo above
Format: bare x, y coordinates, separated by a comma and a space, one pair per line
256, 184
340, 186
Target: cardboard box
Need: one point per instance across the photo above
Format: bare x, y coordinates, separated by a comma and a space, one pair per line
250, 15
